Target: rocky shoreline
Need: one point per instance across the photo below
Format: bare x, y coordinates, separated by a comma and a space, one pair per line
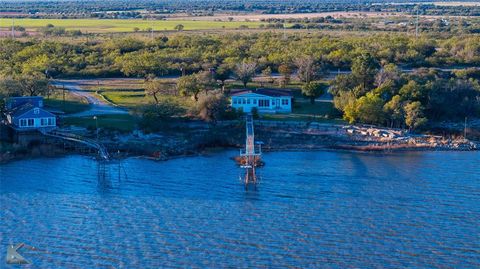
190, 139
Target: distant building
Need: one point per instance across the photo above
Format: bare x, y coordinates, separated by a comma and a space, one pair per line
265, 100
27, 113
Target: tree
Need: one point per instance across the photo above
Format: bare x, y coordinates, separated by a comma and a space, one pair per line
245, 72
267, 72
341, 83
155, 117
157, 87
286, 72
369, 109
9, 87
223, 73
189, 85
343, 99
212, 106
414, 117
314, 90
33, 85
307, 69
206, 80
364, 69
412, 91
388, 74
395, 111
140, 64
179, 27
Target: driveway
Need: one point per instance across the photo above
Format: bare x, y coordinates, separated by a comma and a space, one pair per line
98, 106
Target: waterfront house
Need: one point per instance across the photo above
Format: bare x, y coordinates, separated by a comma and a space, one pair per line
265, 100
27, 113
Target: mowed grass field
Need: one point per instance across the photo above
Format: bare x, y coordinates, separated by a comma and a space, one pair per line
109, 26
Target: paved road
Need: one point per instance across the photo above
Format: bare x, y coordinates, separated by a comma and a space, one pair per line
98, 106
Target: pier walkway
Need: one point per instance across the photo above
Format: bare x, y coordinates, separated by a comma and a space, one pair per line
102, 151
251, 155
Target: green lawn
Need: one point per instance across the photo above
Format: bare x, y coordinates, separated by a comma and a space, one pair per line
124, 25
126, 98
304, 111
319, 108
72, 104
124, 123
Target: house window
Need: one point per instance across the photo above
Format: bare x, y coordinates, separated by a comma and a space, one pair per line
23, 122
254, 101
51, 121
43, 122
248, 101
36, 111
285, 102
30, 122
263, 103
234, 101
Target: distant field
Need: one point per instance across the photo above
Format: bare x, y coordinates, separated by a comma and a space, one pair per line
259, 17
106, 26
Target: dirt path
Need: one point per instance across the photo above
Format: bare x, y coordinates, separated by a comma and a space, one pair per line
98, 106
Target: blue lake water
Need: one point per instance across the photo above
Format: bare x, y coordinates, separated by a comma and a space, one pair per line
311, 210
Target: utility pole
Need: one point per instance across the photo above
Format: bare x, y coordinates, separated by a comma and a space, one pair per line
416, 24
63, 91
151, 23
96, 125
13, 27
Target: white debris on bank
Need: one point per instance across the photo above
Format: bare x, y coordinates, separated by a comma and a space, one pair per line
398, 137
375, 132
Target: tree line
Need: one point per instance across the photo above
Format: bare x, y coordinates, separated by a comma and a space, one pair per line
124, 8
183, 54
376, 91
384, 95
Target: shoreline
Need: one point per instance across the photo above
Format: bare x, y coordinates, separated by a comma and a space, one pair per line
208, 151
194, 139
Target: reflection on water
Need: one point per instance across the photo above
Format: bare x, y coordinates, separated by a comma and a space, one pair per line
311, 209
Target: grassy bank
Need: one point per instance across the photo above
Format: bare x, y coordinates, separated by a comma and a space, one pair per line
70, 105
123, 123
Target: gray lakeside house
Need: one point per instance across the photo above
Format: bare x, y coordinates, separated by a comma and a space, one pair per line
27, 113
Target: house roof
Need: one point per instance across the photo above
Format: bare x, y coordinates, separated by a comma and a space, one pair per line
264, 91
24, 109
20, 110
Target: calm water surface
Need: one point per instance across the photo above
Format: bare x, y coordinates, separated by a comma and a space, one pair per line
311, 210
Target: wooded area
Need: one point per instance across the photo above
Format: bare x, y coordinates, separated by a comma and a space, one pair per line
378, 90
